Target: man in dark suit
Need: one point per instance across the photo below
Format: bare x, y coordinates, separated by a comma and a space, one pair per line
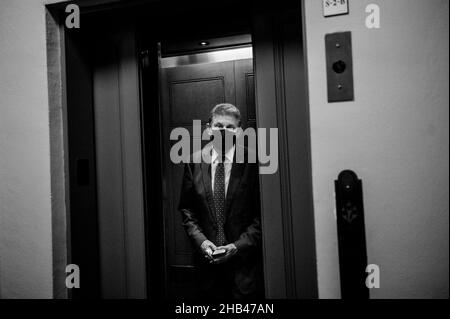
220, 208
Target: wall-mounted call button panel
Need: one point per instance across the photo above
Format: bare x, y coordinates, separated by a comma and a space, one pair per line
338, 48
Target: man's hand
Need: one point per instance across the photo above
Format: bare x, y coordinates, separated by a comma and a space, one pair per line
207, 247
230, 250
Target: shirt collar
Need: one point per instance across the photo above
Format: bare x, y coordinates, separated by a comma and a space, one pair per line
229, 156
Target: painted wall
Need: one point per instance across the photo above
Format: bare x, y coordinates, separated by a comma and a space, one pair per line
25, 204
395, 136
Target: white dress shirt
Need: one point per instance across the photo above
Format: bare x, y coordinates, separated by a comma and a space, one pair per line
228, 163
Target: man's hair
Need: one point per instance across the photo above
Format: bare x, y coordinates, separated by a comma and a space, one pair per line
225, 109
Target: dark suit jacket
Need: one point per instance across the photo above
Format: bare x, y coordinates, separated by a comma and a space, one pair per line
242, 223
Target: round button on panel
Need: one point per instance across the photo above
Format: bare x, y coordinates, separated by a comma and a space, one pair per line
339, 66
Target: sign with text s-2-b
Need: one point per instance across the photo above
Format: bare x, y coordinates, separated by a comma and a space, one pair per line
334, 7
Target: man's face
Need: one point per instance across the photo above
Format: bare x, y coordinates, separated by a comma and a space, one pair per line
223, 128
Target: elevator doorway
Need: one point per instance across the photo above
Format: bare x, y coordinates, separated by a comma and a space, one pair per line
112, 64
191, 84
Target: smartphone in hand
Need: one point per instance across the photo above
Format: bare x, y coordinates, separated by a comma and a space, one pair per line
218, 253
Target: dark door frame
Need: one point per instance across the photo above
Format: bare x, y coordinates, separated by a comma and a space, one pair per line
287, 196
281, 101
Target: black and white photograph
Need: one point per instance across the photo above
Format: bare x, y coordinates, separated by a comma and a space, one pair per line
219, 158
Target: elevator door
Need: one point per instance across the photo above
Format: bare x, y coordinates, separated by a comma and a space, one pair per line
188, 93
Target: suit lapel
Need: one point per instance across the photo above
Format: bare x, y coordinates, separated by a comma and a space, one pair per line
206, 174
237, 171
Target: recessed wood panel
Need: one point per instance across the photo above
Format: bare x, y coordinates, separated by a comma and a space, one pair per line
245, 91
250, 96
192, 99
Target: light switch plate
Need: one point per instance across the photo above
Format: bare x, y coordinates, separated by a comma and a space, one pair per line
334, 7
